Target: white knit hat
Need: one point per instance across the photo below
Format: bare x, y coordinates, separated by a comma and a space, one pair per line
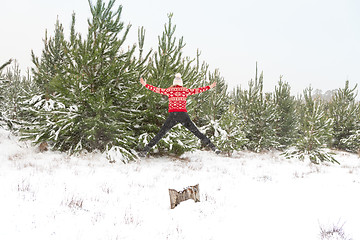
178, 80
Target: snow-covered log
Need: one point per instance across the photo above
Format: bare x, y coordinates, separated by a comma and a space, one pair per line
176, 197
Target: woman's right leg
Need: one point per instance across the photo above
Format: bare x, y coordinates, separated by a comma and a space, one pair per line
169, 123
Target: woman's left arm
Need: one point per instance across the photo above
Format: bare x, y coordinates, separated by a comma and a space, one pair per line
201, 89
213, 85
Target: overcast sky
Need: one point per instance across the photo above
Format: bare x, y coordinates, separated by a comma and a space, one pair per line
309, 42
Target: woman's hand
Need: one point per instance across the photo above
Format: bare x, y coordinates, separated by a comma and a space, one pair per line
213, 85
143, 82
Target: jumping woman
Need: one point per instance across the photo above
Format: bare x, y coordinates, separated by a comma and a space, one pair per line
178, 114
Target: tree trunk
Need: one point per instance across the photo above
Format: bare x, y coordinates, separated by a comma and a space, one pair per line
191, 192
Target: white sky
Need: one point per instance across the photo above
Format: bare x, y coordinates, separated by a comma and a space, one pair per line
309, 42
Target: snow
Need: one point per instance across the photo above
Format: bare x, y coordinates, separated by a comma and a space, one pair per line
250, 196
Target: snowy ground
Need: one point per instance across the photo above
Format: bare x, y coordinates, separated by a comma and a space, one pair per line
250, 196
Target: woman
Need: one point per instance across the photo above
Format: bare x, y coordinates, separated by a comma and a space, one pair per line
178, 114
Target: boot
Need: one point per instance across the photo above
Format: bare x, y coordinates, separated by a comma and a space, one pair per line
214, 148
144, 152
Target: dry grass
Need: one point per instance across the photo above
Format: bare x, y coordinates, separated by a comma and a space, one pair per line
74, 202
334, 232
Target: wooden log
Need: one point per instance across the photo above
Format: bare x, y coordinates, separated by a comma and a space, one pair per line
176, 197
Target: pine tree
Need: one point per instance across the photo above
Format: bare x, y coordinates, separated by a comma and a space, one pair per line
3, 87
256, 109
87, 101
52, 65
216, 115
14, 87
198, 103
209, 107
29, 89
228, 131
164, 64
315, 131
284, 123
4, 83
352, 142
344, 112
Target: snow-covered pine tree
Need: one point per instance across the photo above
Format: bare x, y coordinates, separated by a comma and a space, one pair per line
164, 64
344, 112
26, 115
89, 102
40, 103
284, 123
52, 64
210, 106
197, 103
228, 131
315, 131
256, 109
12, 97
13, 88
3, 87
353, 141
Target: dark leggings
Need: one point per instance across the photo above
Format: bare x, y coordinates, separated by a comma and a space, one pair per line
173, 119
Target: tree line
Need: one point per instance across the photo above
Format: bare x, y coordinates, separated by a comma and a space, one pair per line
83, 94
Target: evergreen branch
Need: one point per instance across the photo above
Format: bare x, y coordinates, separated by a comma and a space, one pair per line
5, 64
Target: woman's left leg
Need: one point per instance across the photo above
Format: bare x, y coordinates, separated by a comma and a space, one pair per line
186, 122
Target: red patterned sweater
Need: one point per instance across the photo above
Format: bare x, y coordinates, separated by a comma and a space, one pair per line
177, 95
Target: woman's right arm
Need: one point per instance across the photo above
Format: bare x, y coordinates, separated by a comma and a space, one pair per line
153, 88
143, 82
